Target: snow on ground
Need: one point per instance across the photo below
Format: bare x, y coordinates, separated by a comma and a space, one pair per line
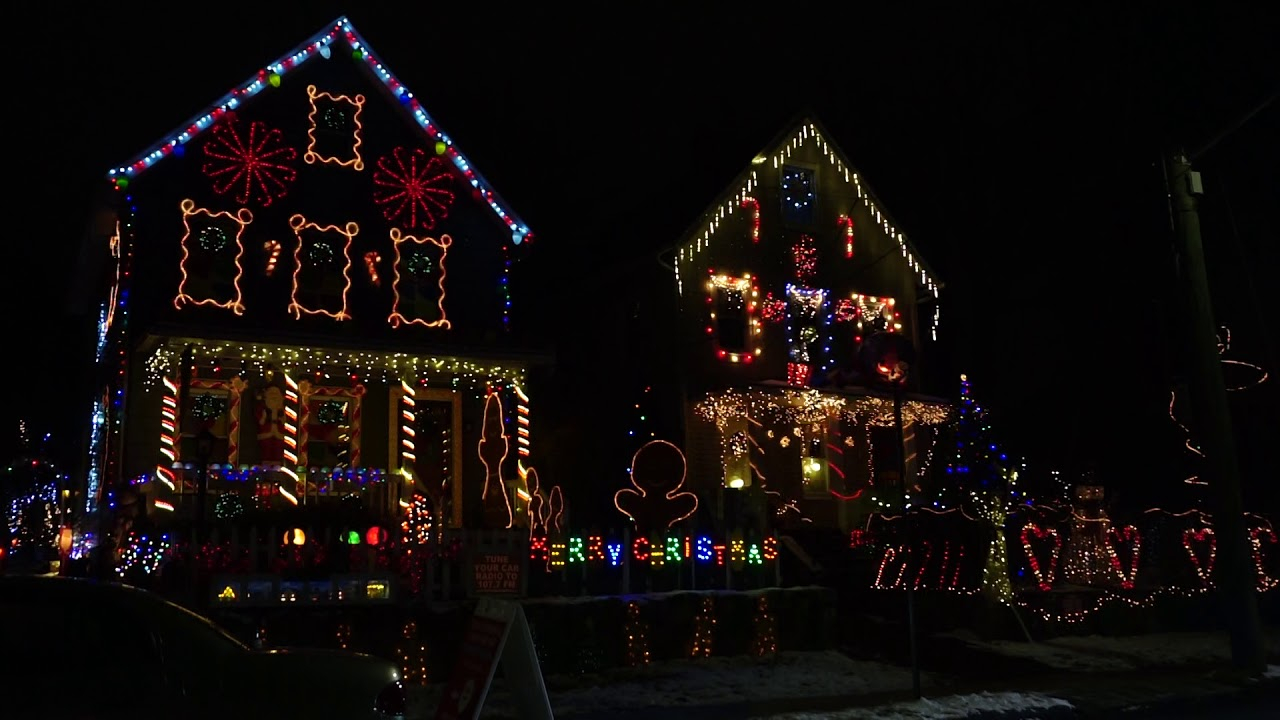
1096, 653
1272, 672
685, 683
1026, 705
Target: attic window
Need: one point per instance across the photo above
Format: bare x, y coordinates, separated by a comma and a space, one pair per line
798, 195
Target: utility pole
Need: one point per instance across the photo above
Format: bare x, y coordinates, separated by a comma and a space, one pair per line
1234, 572
909, 518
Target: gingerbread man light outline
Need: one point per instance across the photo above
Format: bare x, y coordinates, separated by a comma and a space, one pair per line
645, 497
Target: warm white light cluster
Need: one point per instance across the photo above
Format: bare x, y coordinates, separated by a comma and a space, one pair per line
304, 361
806, 134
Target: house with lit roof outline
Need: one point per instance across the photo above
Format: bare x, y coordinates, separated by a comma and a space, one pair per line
777, 286
311, 304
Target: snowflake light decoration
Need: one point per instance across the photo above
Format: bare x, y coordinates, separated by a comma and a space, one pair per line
257, 166
412, 189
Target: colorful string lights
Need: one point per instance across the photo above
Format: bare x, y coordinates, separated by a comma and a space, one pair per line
734, 326
399, 279
206, 234
321, 45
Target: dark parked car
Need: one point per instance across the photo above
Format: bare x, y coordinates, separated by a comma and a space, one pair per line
86, 649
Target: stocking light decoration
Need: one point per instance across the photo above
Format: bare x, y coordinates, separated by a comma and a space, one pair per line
656, 502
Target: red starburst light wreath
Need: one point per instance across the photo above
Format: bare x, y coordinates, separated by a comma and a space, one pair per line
413, 189
256, 166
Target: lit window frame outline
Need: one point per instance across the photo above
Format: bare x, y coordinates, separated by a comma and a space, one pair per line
396, 318
298, 223
745, 284
311, 157
242, 217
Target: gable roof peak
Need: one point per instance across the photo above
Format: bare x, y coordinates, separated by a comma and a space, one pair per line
805, 128
322, 44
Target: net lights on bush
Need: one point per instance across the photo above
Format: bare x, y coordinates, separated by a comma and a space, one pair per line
807, 134
273, 75
143, 552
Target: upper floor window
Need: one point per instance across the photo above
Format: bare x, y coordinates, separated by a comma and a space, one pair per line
733, 323
799, 195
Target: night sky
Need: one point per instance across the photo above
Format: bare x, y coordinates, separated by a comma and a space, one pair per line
1018, 151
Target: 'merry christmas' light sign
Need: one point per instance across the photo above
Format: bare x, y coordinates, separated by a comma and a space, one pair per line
657, 551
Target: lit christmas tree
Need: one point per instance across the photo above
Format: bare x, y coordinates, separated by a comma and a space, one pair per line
978, 466
978, 474
412, 655
640, 426
29, 490
637, 636
995, 572
764, 641
704, 629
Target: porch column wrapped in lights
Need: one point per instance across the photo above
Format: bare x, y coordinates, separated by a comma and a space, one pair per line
291, 400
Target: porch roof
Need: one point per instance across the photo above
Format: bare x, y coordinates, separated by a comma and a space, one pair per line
446, 366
